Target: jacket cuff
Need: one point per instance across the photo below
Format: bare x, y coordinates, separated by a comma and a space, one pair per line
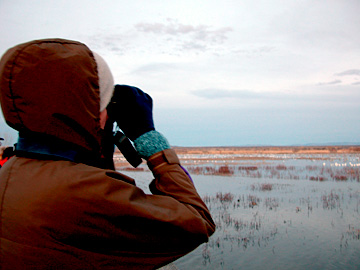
150, 143
167, 156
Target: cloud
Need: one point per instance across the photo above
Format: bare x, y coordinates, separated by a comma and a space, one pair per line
172, 38
349, 72
340, 94
174, 28
254, 51
155, 68
116, 42
212, 93
186, 37
347, 78
193, 46
330, 83
215, 93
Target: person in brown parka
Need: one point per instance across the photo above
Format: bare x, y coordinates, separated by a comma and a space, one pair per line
61, 207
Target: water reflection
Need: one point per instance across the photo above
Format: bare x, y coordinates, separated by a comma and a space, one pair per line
279, 222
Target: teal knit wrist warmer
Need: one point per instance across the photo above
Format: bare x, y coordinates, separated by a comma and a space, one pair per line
150, 143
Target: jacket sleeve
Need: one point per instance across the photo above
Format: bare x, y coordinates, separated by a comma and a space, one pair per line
172, 180
171, 222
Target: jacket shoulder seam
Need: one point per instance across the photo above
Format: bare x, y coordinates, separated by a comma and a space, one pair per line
11, 81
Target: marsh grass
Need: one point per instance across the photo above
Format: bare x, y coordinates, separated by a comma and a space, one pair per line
244, 220
313, 173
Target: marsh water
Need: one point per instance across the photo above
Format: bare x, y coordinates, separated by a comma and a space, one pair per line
288, 213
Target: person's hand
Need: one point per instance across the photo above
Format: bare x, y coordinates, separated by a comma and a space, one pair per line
131, 108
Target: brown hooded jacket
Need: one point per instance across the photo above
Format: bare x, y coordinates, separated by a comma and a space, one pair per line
60, 214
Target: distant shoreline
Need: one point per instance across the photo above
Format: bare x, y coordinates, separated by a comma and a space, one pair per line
330, 149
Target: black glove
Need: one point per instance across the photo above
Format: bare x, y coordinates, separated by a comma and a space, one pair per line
131, 108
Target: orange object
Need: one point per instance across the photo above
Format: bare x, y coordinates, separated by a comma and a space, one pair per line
2, 161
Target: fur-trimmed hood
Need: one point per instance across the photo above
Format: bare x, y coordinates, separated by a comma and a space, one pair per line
51, 88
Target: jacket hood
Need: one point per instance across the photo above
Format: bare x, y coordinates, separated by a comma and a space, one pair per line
51, 88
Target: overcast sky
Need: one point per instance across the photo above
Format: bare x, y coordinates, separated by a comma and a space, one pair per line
241, 72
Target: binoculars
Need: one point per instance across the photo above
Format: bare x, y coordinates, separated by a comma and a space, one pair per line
119, 139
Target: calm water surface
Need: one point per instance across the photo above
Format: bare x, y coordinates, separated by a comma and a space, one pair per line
298, 224
278, 222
